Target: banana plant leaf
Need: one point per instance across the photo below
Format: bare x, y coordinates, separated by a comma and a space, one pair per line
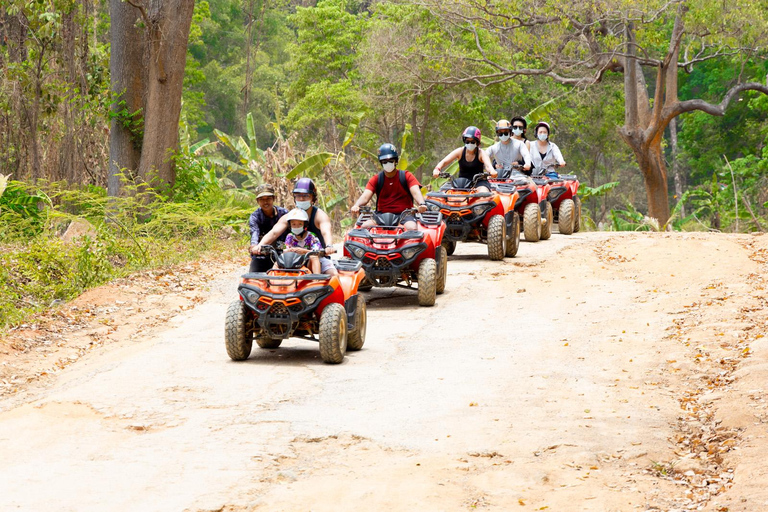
312, 163
352, 128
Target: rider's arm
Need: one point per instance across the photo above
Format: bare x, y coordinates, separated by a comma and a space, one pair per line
558, 155
487, 163
253, 221
526, 156
418, 198
275, 232
362, 200
324, 223
448, 160
491, 151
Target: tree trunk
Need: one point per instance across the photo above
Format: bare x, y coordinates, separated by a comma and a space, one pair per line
126, 66
675, 165
650, 159
167, 44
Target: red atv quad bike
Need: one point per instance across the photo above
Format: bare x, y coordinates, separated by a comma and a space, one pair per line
531, 205
290, 301
470, 215
563, 194
392, 255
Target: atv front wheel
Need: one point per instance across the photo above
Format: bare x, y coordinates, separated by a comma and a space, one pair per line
365, 285
333, 333
442, 270
356, 338
532, 222
546, 228
565, 217
427, 279
450, 246
497, 238
577, 216
237, 335
264, 341
513, 243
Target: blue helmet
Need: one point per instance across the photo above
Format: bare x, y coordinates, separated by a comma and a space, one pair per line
305, 186
387, 151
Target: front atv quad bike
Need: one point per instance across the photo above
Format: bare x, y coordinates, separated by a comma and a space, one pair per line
487, 217
291, 302
393, 256
566, 204
531, 195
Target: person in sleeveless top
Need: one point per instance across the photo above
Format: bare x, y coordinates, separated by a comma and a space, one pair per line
395, 190
545, 155
472, 159
305, 196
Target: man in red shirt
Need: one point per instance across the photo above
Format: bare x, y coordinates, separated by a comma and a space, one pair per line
395, 190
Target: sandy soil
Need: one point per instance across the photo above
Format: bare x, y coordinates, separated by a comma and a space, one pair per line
597, 372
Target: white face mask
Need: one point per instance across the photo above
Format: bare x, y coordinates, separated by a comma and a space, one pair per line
389, 167
470, 147
517, 131
297, 231
304, 205
542, 136
503, 138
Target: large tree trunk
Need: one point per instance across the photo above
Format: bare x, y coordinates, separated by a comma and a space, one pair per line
168, 38
676, 165
126, 66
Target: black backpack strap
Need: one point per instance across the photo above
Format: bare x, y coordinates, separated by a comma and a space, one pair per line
379, 186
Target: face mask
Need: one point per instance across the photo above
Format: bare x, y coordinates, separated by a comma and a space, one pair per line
503, 138
542, 136
389, 167
297, 231
517, 131
470, 147
304, 205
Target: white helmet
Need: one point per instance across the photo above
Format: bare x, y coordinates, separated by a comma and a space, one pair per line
297, 214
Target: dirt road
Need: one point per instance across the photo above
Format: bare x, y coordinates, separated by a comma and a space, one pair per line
594, 372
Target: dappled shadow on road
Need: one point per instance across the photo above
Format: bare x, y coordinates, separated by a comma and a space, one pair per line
392, 298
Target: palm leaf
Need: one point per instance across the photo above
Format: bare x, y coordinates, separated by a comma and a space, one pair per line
311, 163
352, 128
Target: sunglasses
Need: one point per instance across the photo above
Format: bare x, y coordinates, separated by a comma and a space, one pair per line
388, 161
470, 141
504, 132
518, 126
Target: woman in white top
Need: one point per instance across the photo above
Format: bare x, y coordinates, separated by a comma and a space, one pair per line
545, 155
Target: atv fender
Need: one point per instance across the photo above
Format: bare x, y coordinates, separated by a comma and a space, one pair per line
350, 306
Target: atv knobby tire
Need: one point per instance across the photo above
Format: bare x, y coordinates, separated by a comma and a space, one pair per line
442, 269
450, 246
237, 335
356, 338
532, 222
513, 243
427, 280
333, 333
566, 217
546, 228
497, 238
365, 285
264, 341
577, 216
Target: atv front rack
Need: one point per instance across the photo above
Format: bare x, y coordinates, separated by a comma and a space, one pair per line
405, 235
263, 276
459, 196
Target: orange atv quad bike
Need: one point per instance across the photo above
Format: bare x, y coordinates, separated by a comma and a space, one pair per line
563, 194
290, 301
392, 255
532, 204
470, 215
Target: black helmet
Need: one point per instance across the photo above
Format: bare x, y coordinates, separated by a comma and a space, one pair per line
305, 186
522, 120
387, 151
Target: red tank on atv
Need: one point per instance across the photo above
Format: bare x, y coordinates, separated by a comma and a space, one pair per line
566, 203
290, 301
532, 206
470, 215
392, 255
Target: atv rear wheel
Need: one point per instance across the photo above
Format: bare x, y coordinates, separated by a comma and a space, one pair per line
450, 246
333, 333
356, 338
497, 238
427, 280
565, 217
546, 228
442, 269
264, 341
237, 335
513, 243
532, 222
577, 216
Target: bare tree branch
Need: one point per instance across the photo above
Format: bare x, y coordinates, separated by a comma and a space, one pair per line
712, 109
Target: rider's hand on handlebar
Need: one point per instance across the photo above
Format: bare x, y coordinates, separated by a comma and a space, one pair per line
355, 209
494, 173
422, 208
256, 249
330, 250
436, 172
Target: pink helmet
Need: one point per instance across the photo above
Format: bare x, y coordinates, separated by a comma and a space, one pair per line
472, 132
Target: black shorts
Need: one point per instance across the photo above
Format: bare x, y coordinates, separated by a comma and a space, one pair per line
260, 263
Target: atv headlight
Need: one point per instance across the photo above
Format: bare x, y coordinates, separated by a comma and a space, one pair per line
433, 207
359, 252
311, 298
480, 210
251, 296
409, 252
